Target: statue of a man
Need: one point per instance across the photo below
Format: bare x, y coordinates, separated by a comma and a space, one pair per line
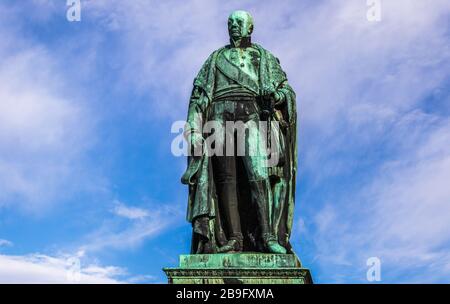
241, 202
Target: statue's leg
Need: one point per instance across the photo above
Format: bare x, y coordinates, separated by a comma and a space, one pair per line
255, 162
225, 175
224, 167
279, 193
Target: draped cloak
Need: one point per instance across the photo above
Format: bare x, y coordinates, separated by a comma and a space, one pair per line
203, 211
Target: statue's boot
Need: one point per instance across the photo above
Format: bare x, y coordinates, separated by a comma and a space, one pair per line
228, 201
273, 246
261, 194
234, 245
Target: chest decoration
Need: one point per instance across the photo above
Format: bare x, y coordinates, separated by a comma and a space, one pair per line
234, 68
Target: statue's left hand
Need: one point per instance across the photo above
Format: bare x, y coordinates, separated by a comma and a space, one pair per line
270, 92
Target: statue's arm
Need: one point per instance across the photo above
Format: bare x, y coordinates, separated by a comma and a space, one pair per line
284, 95
196, 111
281, 92
279, 88
198, 104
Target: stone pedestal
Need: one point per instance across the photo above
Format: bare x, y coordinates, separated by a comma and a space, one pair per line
241, 268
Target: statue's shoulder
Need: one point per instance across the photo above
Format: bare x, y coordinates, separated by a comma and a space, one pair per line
218, 51
204, 75
212, 57
225, 47
265, 52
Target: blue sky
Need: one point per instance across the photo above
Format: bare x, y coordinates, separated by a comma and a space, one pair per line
86, 108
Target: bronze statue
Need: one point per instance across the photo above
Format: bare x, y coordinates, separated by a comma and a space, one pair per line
241, 202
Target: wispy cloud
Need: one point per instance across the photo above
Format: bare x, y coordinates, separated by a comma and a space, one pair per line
5, 243
44, 131
145, 224
400, 216
132, 213
44, 269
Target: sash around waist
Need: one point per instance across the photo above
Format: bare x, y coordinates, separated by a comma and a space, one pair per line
233, 92
235, 98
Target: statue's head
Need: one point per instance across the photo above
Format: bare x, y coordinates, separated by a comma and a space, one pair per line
240, 25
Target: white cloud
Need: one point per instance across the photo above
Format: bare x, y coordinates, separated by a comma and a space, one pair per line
400, 215
45, 131
329, 49
142, 279
44, 269
112, 234
132, 213
5, 243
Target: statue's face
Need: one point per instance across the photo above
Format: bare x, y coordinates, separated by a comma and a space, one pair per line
240, 24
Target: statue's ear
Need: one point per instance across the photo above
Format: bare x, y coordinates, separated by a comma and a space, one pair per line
250, 29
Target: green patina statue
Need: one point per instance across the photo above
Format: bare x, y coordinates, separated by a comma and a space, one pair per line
241, 202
